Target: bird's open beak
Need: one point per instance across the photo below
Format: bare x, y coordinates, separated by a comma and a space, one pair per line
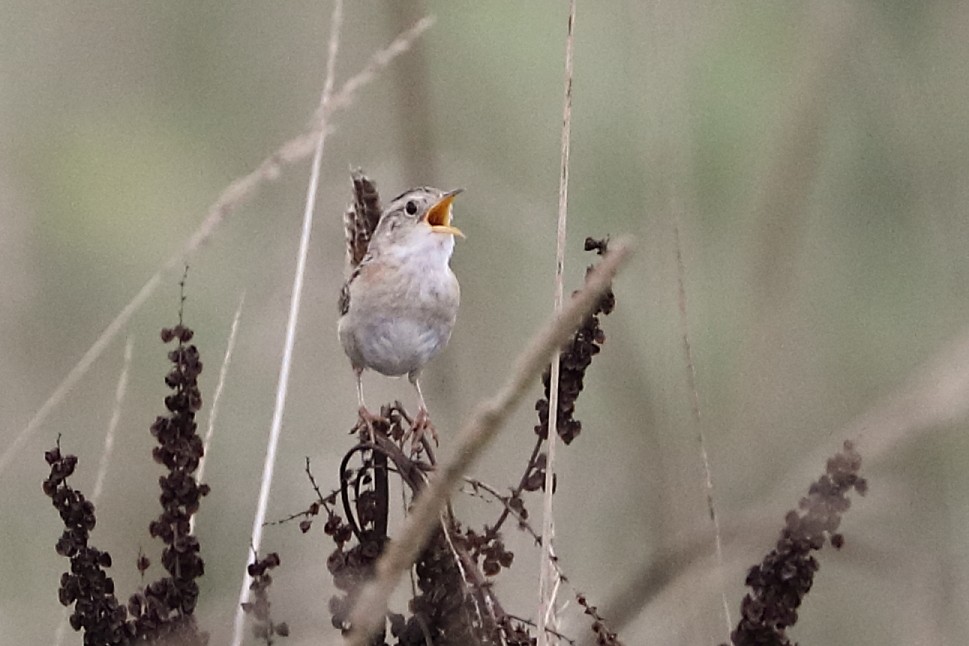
439, 215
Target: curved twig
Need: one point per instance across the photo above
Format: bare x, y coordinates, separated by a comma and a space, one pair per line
345, 491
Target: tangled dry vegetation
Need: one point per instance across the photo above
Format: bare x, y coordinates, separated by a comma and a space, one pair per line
457, 599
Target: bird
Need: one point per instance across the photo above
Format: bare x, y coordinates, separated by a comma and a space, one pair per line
400, 300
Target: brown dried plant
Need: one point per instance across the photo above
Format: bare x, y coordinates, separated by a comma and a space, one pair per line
163, 611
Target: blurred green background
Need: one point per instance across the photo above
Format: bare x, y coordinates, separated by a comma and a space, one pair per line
812, 156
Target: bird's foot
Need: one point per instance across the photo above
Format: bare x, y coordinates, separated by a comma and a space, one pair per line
421, 425
366, 420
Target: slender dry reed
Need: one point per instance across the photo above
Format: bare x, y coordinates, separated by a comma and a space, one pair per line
549, 581
259, 519
216, 398
700, 436
108, 449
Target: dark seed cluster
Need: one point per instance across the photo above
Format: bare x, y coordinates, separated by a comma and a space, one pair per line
452, 609
263, 627
516, 633
87, 586
162, 612
350, 568
780, 582
171, 600
604, 636
489, 552
575, 359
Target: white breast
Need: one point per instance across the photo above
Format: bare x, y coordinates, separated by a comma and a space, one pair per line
403, 310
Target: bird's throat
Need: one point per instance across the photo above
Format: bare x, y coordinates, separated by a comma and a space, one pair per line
425, 249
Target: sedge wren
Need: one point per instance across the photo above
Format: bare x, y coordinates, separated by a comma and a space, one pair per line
400, 301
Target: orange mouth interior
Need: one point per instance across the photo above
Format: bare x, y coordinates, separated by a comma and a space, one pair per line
439, 215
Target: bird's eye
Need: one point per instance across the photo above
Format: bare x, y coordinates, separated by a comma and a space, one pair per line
411, 208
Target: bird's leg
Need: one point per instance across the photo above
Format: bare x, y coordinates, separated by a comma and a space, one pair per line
422, 421
365, 415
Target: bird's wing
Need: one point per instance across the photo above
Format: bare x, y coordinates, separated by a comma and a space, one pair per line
361, 217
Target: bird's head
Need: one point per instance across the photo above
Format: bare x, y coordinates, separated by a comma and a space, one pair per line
418, 220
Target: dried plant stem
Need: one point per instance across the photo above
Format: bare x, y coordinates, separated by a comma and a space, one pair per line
380, 59
108, 449
487, 419
336, 22
216, 399
232, 197
548, 583
469, 572
477, 486
701, 439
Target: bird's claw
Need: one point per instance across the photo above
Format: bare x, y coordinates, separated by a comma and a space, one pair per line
366, 419
421, 425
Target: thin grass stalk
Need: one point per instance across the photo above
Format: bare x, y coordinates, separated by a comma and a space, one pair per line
695, 407
216, 399
336, 23
548, 583
107, 450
